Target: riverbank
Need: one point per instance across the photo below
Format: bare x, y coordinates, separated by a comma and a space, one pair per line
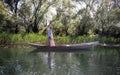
7, 39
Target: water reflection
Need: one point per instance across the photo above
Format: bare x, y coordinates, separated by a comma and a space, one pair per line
49, 57
100, 61
51, 62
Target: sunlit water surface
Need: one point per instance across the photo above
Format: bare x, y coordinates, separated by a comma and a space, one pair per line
98, 61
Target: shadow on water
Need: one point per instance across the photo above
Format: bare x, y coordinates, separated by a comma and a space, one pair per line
73, 51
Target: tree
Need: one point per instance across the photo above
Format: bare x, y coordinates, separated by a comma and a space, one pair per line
13, 4
32, 14
7, 22
105, 18
116, 3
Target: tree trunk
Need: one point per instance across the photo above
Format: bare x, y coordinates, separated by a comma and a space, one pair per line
35, 26
29, 28
16, 29
15, 9
35, 29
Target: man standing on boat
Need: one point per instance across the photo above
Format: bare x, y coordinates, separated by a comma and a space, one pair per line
50, 36
51, 61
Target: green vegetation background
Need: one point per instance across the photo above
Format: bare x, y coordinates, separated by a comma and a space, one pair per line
23, 25
24, 39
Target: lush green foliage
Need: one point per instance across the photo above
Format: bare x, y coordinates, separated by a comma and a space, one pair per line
6, 38
97, 17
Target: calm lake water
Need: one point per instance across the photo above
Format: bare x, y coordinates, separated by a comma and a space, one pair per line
98, 61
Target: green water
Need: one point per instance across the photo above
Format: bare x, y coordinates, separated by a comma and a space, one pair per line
98, 61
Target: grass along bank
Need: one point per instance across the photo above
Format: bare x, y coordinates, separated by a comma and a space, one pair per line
6, 38
18, 39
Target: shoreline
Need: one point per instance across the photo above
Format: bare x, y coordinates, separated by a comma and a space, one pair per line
11, 40
15, 45
109, 45
26, 45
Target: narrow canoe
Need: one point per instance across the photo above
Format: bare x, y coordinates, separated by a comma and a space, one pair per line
66, 47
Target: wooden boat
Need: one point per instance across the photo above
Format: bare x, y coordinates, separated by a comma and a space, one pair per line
66, 47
